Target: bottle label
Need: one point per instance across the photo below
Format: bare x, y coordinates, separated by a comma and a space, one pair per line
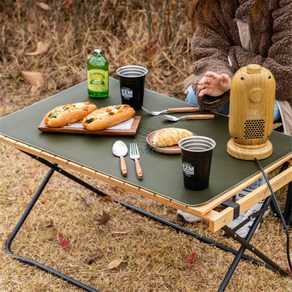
97, 80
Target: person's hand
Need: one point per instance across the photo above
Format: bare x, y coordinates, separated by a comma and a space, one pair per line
214, 84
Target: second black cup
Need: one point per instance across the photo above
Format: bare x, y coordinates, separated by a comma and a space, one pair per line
132, 84
196, 152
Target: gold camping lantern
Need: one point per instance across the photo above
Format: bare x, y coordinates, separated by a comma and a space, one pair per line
252, 98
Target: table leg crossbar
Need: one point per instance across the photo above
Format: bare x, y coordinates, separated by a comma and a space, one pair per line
269, 264
257, 216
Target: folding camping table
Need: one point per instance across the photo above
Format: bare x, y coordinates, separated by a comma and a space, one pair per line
214, 204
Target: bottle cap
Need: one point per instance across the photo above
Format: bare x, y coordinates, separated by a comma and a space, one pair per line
98, 51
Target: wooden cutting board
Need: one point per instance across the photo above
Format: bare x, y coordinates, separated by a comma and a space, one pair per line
77, 128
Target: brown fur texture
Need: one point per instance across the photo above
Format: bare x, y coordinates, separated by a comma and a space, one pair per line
216, 44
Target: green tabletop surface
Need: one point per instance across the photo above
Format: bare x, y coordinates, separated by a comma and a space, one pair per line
162, 172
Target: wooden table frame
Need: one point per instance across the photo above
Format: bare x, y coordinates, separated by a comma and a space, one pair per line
217, 219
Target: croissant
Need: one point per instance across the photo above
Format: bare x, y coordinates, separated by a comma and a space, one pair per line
169, 136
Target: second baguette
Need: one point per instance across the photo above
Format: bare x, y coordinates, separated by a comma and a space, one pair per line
106, 117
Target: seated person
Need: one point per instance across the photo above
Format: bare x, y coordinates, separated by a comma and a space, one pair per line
231, 34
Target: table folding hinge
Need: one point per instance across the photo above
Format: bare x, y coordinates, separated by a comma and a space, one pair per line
234, 205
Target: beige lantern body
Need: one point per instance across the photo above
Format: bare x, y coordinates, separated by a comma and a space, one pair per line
252, 98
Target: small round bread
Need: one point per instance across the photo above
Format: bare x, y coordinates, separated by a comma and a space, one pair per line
108, 116
69, 113
170, 136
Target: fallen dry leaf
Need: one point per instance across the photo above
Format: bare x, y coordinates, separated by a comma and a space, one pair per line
50, 224
43, 199
85, 201
42, 47
114, 264
192, 257
103, 219
93, 258
35, 79
53, 230
107, 198
120, 231
64, 242
43, 6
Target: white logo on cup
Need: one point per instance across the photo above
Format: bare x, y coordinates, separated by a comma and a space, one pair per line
127, 93
188, 169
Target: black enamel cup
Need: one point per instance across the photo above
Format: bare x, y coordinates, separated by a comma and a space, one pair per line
132, 83
196, 152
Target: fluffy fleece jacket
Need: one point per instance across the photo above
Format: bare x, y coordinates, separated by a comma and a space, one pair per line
220, 48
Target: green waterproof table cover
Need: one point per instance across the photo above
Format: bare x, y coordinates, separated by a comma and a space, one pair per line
162, 172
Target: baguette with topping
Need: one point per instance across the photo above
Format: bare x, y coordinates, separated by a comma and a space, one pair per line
108, 116
67, 114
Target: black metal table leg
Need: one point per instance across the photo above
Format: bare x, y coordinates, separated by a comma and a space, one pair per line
288, 206
236, 259
287, 214
32, 262
245, 244
239, 254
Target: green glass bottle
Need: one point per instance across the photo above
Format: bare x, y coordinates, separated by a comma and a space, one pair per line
97, 75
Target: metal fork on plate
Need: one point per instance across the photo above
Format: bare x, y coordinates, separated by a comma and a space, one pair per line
134, 154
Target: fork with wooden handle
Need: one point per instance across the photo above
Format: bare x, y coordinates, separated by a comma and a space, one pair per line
134, 154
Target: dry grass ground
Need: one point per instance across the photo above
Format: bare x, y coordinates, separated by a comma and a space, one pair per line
55, 39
